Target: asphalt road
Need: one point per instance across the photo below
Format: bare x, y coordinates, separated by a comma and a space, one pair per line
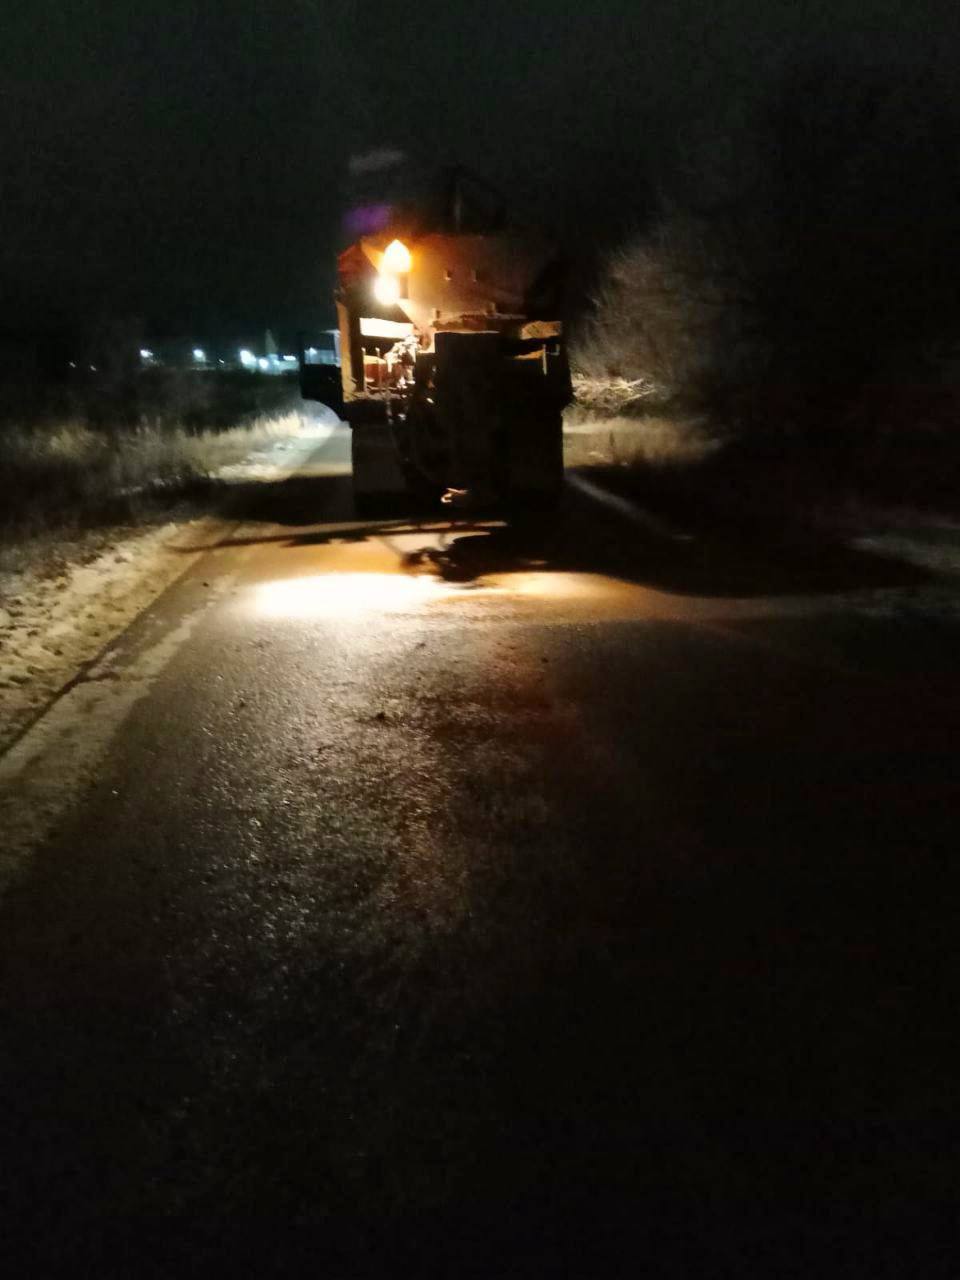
573, 900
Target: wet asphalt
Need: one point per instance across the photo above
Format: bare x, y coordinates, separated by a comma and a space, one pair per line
554, 900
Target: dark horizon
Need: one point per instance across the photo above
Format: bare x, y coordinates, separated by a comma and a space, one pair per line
188, 166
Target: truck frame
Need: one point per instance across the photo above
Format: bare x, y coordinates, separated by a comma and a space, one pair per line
453, 367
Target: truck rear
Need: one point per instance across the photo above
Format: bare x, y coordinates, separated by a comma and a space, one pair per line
453, 368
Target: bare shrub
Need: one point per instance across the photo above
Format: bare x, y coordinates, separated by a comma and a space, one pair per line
807, 252
673, 316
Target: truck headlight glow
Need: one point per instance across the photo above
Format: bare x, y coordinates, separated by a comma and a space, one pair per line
386, 290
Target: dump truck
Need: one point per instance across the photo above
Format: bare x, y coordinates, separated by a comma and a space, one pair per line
453, 371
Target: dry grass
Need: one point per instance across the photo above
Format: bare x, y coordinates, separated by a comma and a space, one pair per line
70, 475
655, 440
612, 396
630, 422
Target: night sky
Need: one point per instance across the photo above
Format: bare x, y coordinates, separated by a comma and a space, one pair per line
185, 162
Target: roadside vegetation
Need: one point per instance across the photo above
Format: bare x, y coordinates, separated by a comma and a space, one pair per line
782, 343
121, 448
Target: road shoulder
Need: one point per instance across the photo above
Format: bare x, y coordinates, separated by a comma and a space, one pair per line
65, 603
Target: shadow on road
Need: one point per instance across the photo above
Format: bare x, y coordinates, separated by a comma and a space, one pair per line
298, 500
702, 567
584, 536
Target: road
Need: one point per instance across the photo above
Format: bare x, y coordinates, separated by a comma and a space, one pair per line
492, 902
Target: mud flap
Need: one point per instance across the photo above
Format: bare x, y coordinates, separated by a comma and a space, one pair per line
502, 417
469, 408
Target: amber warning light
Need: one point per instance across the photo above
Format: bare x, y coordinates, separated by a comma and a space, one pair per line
396, 258
391, 283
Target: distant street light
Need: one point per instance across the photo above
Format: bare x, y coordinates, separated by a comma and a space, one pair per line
199, 355
145, 354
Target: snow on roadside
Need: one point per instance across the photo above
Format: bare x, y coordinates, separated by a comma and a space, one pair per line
63, 600
932, 546
58, 615
285, 455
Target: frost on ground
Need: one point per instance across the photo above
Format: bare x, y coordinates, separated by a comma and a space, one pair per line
63, 599
622, 422
653, 440
60, 609
928, 546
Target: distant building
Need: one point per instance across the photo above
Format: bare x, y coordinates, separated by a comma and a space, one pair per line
263, 354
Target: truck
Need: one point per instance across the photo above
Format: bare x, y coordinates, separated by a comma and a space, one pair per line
453, 371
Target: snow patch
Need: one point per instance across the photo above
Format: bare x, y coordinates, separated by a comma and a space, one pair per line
58, 616
63, 602
933, 547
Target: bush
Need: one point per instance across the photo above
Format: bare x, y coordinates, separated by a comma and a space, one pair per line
807, 254
672, 318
